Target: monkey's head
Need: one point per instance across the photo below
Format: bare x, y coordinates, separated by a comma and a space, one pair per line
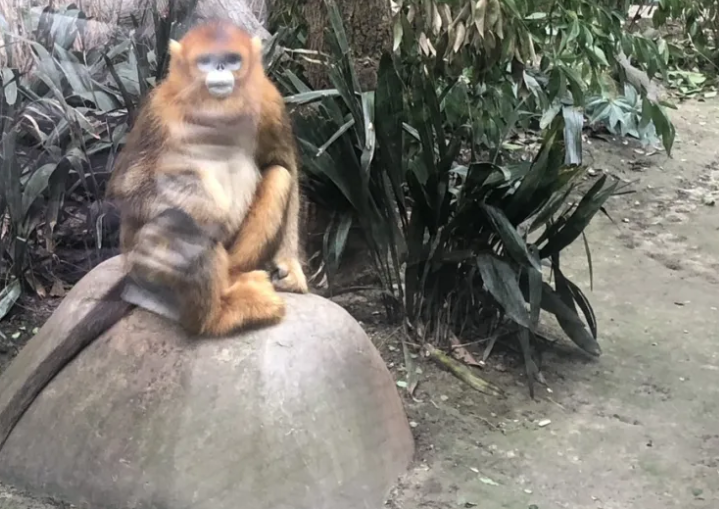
215, 57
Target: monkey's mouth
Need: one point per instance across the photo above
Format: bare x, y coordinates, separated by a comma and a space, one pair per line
220, 91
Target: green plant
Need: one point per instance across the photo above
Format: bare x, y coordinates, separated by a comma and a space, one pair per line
699, 20
450, 241
622, 115
69, 111
518, 60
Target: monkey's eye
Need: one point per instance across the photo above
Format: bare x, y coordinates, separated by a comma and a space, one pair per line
205, 63
233, 62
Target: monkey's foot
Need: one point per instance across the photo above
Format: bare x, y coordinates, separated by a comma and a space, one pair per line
250, 301
288, 276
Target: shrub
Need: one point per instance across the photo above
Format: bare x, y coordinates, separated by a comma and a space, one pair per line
451, 240
458, 224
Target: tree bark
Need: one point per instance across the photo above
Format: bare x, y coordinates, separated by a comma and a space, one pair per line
369, 32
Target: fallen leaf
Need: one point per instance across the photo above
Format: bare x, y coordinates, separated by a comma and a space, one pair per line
461, 353
57, 290
487, 480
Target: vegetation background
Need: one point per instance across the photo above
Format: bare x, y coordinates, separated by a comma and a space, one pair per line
444, 138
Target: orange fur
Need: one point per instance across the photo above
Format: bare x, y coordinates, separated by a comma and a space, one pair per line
250, 192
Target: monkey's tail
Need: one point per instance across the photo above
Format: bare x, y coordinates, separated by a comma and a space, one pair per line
22, 390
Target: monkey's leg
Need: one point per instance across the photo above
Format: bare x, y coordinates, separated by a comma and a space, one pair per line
288, 275
263, 226
188, 273
226, 304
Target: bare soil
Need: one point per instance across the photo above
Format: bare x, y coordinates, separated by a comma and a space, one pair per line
636, 428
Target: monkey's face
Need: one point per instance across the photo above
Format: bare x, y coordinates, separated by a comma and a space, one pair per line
216, 58
219, 71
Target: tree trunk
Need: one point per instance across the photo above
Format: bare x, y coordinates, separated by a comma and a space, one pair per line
369, 32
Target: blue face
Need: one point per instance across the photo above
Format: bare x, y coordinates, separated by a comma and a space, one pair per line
219, 62
219, 69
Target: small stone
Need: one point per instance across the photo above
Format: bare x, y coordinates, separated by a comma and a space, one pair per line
625, 220
443, 397
709, 200
413, 424
544, 422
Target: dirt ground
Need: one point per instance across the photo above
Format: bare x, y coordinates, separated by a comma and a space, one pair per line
637, 428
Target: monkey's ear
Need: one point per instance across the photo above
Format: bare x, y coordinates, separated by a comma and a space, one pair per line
256, 46
175, 49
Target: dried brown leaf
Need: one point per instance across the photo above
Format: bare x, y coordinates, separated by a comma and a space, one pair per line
460, 353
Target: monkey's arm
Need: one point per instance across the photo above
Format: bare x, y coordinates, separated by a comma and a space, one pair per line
264, 226
23, 381
260, 232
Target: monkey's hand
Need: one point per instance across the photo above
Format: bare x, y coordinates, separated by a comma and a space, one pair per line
167, 248
288, 276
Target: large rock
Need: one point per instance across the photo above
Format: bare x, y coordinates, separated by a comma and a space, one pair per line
300, 415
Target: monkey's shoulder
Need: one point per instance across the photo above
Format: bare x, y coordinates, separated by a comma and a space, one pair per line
137, 159
275, 143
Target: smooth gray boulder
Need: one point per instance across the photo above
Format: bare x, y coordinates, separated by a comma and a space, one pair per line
301, 415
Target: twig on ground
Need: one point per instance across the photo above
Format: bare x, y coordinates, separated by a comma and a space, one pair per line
464, 373
325, 292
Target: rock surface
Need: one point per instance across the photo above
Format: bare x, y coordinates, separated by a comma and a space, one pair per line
300, 415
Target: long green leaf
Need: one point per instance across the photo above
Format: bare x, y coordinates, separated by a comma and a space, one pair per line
535, 290
36, 184
573, 124
513, 242
581, 300
389, 112
310, 97
567, 317
501, 281
580, 218
571, 327
343, 129
529, 365
589, 260
8, 297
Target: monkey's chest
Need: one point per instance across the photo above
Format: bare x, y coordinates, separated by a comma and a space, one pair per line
231, 183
